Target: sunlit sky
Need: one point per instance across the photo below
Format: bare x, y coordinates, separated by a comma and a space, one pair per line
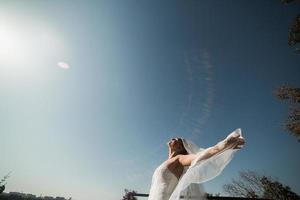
91, 91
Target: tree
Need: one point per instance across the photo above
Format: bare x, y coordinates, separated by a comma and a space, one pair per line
292, 123
129, 195
253, 185
248, 185
294, 31
286, 1
276, 190
3, 182
2, 188
291, 94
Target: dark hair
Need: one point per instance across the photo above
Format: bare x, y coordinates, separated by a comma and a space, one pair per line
184, 151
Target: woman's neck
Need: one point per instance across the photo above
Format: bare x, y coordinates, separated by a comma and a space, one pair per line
172, 153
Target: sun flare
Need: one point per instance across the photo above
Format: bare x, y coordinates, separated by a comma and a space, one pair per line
29, 48
12, 48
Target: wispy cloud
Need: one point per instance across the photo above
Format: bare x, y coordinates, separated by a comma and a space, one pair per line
201, 92
196, 112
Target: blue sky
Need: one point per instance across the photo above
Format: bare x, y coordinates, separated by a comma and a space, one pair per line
140, 73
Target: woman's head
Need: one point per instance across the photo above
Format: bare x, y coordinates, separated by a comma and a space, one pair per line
176, 145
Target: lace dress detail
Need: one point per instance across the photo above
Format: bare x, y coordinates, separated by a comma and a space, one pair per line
163, 183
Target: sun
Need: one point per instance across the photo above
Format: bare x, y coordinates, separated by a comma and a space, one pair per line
30, 47
8, 41
12, 48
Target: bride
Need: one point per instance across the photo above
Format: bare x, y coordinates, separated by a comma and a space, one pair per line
179, 177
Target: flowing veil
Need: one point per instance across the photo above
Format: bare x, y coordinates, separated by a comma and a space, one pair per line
189, 186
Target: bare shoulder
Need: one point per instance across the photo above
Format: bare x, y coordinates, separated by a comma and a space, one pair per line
186, 160
174, 165
173, 161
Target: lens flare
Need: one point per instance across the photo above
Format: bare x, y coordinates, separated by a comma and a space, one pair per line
63, 65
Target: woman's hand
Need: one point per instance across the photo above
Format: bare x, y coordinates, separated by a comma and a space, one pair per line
234, 141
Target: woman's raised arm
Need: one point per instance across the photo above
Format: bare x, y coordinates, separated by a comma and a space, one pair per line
232, 141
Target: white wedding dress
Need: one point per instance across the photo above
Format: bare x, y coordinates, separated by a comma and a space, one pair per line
166, 186
163, 183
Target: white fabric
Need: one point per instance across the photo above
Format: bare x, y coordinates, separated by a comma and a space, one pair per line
189, 185
163, 183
